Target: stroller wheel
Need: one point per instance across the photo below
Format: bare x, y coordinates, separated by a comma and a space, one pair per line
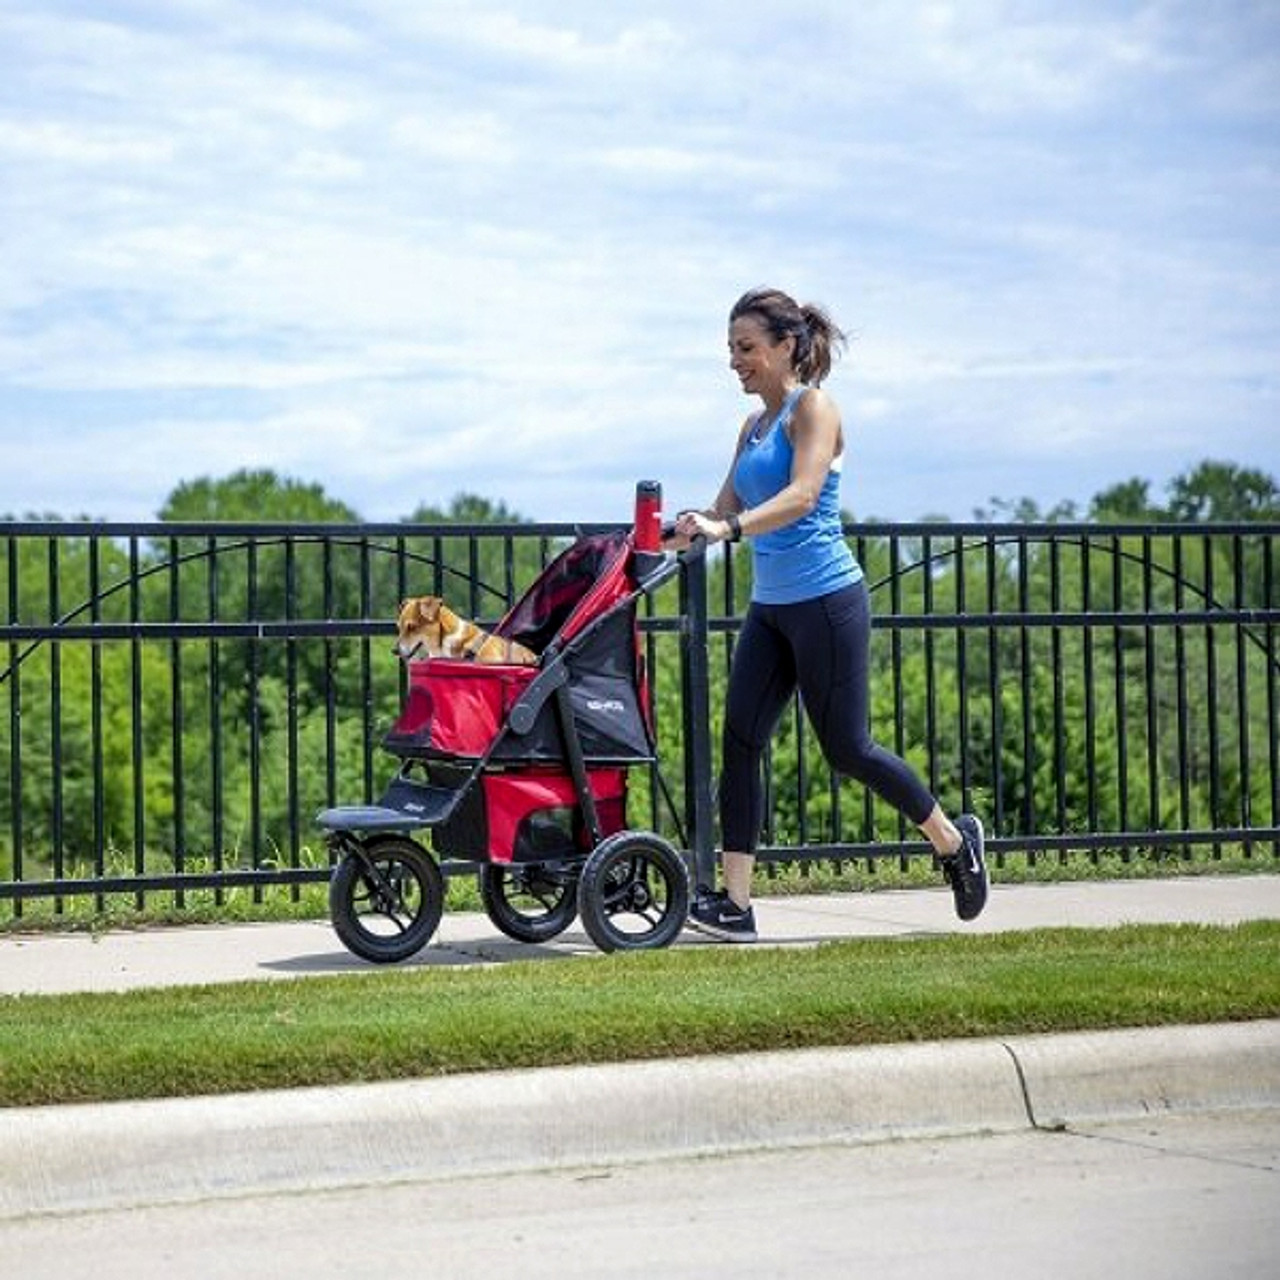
634, 892
386, 899
530, 903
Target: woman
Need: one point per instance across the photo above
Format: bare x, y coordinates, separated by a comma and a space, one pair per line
808, 624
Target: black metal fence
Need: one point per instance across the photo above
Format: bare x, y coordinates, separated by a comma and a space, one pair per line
176, 701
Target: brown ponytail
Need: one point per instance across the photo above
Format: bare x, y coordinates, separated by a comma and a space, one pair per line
818, 338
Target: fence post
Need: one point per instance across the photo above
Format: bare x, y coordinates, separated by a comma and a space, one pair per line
695, 645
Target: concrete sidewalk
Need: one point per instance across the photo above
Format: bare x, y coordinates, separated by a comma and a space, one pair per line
120, 960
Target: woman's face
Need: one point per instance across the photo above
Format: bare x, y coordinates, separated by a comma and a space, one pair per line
759, 362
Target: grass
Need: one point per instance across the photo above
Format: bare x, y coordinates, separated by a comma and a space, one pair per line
437, 1020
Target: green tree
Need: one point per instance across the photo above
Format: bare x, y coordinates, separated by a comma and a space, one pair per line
1224, 491
466, 508
254, 496
1129, 500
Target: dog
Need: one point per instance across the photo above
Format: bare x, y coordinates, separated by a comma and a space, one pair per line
428, 627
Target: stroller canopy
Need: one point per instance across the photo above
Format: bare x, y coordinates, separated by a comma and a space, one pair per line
576, 588
580, 610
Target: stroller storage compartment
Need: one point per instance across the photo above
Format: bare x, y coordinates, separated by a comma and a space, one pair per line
524, 816
455, 709
462, 710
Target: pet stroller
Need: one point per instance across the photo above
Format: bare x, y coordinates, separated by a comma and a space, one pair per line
522, 770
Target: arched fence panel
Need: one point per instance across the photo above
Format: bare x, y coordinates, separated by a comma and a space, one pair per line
177, 700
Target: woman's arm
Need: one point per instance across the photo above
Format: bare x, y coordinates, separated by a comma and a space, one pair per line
815, 440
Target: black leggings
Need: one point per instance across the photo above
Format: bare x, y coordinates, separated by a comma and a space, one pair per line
821, 645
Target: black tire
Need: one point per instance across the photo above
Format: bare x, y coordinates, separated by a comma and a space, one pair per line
532, 902
633, 894
392, 920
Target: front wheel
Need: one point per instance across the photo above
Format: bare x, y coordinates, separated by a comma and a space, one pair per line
633, 894
386, 899
531, 903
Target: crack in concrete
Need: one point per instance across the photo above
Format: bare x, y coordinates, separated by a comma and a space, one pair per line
1160, 1148
1026, 1092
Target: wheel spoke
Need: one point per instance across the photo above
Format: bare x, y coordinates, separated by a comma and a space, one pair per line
382, 893
633, 891
386, 899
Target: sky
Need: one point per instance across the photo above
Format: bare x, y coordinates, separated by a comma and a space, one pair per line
405, 249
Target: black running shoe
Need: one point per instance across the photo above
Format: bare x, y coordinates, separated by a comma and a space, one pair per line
966, 869
717, 915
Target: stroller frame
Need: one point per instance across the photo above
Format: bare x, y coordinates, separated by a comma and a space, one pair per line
631, 888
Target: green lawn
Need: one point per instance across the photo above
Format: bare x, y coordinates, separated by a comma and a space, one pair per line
429, 1021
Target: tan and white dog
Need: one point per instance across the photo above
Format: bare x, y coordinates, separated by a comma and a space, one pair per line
427, 627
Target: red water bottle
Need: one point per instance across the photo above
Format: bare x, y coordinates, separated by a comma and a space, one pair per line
648, 531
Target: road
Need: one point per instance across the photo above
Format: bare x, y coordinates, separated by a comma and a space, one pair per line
1170, 1198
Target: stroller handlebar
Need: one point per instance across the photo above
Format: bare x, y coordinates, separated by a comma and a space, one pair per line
697, 544
653, 568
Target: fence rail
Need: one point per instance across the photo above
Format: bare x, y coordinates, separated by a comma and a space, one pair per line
177, 700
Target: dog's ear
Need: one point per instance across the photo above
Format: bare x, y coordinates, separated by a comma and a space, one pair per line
429, 608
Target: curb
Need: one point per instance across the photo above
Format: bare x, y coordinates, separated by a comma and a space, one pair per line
1121, 1075
123, 1155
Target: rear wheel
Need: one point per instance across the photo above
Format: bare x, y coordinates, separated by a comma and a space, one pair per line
531, 903
633, 893
386, 900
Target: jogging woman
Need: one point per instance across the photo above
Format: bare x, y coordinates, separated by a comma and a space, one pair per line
808, 624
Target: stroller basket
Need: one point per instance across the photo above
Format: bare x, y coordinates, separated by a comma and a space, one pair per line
581, 613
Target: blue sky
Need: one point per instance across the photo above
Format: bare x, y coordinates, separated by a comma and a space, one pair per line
406, 249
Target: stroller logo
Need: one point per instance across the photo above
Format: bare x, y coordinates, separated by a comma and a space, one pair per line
612, 705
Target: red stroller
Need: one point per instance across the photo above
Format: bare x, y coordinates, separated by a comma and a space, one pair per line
523, 771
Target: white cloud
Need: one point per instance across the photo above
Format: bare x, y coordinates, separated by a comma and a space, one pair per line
314, 165
53, 142
561, 46
1008, 58
467, 137
490, 246
550, 43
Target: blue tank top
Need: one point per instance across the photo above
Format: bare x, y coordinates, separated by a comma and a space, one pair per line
809, 557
